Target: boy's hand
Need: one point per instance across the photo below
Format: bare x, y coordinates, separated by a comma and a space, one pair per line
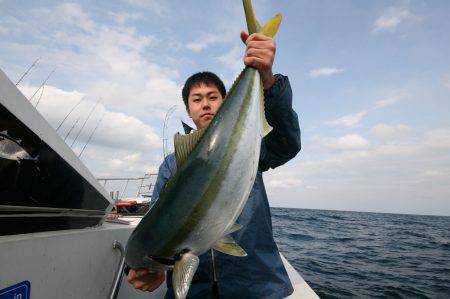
260, 54
145, 279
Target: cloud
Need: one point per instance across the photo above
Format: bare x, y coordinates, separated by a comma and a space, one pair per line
446, 81
116, 131
391, 18
203, 42
233, 62
285, 183
3, 30
67, 14
124, 17
391, 100
348, 120
127, 163
408, 175
385, 132
323, 72
438, 138
112, 62
347, 142
158, 7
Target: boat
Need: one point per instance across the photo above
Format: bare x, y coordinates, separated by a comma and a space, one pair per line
56, 240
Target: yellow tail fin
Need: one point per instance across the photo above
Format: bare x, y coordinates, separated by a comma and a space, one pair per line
269, 29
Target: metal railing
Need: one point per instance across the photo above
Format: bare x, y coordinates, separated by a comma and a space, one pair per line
145, 188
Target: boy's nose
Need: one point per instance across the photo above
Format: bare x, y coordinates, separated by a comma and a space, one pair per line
206, 105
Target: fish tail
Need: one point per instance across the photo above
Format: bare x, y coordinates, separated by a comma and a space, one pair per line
268, 29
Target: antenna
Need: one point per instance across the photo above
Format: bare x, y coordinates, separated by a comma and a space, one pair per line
92, 134
27, 71
82, 127
70, 131
71, 110
43, 83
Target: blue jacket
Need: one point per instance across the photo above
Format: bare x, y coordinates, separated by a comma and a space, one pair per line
261, 273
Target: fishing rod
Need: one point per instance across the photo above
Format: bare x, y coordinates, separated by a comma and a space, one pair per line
71, 110
165, 150
43, 83
27, 71
82, 127
70, 131
40, 97
92, 134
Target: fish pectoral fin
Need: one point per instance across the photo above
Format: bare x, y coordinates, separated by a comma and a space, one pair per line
183, 272
227, 240
185, 144
235, 227
230, 248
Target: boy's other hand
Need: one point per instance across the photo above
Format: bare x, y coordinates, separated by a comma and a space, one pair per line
260, 54
145, 279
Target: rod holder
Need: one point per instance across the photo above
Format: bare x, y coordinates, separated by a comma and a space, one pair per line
119, 273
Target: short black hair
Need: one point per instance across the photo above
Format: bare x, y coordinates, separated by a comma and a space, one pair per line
196, 79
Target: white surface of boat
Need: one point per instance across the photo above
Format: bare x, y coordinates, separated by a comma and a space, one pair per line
82, 263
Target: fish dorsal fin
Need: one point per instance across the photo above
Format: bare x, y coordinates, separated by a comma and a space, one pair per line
183, 272
185, 144
228, 246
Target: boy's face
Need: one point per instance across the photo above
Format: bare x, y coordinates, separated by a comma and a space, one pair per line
203, 102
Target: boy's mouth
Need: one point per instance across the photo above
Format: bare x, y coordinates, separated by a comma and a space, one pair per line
207, 114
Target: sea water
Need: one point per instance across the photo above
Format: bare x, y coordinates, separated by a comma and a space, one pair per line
360, 255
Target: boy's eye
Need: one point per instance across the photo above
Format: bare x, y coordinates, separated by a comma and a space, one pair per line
214, 98
196, 100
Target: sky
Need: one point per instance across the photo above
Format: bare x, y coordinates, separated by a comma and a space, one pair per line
370, 79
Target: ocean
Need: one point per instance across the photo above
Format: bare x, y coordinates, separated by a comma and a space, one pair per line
366, 255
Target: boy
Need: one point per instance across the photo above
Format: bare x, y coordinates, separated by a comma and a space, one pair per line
261, 274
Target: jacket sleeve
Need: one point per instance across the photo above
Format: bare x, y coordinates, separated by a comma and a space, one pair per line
283, 142
165, 172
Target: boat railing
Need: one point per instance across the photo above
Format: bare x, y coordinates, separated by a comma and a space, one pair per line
145, 185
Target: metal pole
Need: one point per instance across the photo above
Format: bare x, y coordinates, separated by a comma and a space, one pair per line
43, 83
40, 97
82, 127
71, 110
70, 131
125, 188
119, 273
26, 72
90, 136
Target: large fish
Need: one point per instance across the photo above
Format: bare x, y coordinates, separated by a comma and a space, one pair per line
216, 169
